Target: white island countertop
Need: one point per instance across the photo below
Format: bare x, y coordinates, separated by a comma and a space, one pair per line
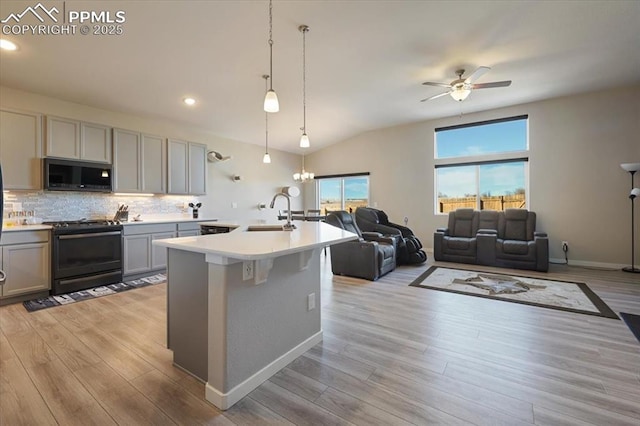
254, 245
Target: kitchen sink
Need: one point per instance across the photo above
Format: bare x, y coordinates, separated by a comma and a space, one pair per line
265, 228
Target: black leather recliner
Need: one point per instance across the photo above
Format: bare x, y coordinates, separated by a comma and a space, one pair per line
370, 257
409, 248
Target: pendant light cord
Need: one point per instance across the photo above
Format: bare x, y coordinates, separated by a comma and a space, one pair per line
271, 44
266, 121
304, 81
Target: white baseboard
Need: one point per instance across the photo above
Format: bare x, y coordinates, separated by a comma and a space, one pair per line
589, 264
225, 401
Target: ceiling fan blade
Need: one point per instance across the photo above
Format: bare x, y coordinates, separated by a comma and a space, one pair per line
436, 96
476, 74
492, 84
430, 83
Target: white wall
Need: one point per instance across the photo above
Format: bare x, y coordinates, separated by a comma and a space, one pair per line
577, 187
259, 181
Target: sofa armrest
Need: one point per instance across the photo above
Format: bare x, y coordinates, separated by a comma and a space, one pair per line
380, 238
486, 246
542, 251
356, 258
371, 234
443, 231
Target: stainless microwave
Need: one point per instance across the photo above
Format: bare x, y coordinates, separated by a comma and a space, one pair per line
70, 175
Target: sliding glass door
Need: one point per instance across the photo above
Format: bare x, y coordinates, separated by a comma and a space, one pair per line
343, 193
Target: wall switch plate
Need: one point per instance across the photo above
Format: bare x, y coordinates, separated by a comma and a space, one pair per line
311, 302
234, 205
247, 270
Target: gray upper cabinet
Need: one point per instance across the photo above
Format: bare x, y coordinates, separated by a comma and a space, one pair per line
187, 167
21, 149
139, 162
178, 173
77, 140
154, 164
197, 169
63, 138
95, 142
127, 175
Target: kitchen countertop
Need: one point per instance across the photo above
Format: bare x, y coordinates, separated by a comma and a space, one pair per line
253, 245
167, 219
18, 228
151, 220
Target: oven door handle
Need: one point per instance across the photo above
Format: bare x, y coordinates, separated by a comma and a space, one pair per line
89, 235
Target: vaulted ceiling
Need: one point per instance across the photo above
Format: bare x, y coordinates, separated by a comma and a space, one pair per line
366, 60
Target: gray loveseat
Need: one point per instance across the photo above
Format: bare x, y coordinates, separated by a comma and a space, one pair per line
508, 239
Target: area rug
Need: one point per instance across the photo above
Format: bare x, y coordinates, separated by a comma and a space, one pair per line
633, 322
78, 296
553, 294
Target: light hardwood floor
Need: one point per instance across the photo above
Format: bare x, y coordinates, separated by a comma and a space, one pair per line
391, 355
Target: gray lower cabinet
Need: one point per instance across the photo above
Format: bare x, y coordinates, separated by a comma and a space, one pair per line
159, 254
140, 255
21, 149
26, 261
137, 254
188, 229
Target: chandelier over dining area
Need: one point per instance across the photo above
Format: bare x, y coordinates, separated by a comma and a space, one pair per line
303, 175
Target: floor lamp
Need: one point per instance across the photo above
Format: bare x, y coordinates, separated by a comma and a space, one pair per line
632, 168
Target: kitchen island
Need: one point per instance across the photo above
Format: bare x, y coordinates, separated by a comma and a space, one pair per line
244, 304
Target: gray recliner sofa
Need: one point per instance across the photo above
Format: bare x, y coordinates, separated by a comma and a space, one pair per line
508, 239
457, 242
370, 257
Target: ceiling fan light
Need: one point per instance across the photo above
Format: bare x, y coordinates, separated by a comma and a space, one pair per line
460, 94
267, 158
304, 141
271, 103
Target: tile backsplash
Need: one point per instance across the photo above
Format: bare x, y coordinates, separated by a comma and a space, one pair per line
51, 206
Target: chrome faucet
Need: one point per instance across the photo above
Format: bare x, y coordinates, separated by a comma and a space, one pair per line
288, 226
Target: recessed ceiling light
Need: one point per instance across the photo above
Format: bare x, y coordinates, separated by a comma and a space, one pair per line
7, 45
189, 101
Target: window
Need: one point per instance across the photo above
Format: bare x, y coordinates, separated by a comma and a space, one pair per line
346, 192
482, 165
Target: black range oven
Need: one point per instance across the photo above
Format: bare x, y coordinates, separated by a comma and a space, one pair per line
85, 254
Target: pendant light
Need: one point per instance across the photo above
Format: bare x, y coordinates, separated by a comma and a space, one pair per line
303, 176
271, 99
304, 139
266, 158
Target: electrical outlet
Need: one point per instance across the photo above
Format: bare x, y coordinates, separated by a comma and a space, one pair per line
247, 270
565, 246
311, 302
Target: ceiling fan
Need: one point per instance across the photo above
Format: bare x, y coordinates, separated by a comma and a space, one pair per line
460, 88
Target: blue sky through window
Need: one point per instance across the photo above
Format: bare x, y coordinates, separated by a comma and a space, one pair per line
355, 188
505, 136
474, 142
